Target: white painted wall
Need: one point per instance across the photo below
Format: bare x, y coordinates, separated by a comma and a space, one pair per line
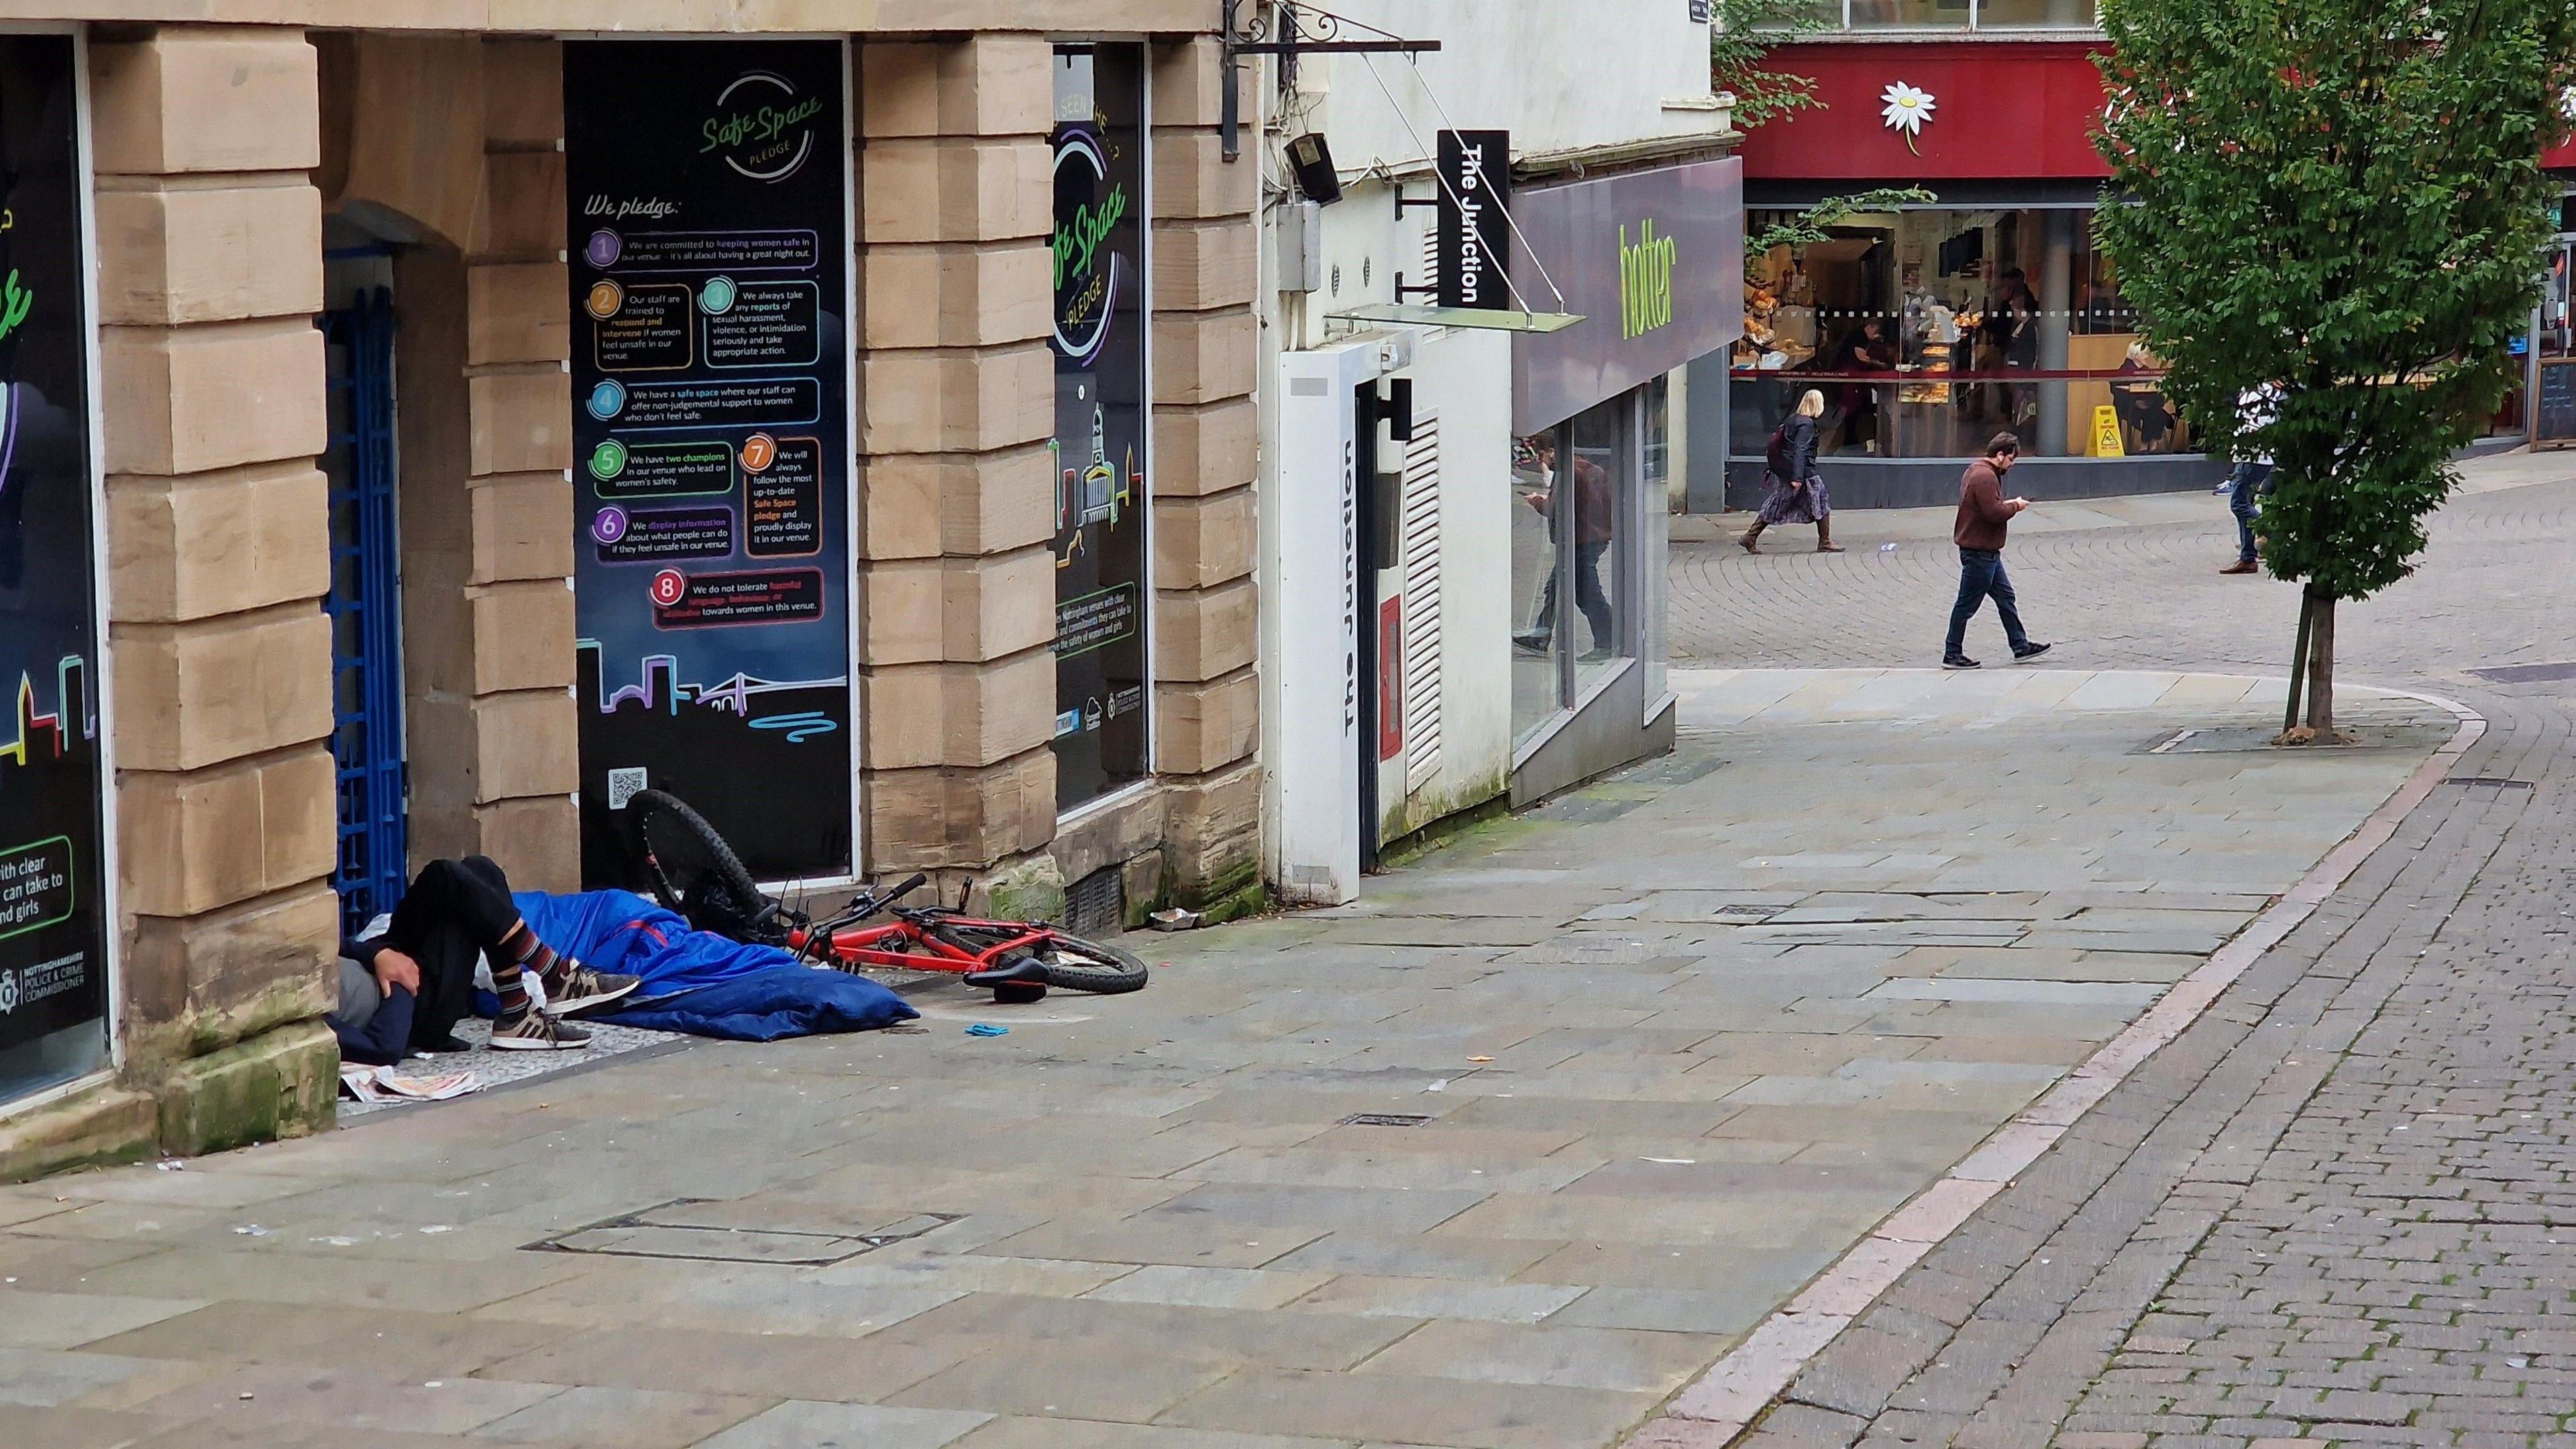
1564, 76
1466, 377
1560, 75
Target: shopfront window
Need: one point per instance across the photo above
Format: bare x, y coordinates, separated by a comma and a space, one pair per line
1929, 331
1100, 444
1654, 519
2551, 407
1537, 693
1580, 542
1590, 563
53, 775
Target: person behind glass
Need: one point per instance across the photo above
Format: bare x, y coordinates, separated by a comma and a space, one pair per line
403, 988
1868, 348
1984, 515
2013, 321
2256, 407
1797, 489
1592, 517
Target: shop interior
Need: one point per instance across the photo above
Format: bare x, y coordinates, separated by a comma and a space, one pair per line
1915, 323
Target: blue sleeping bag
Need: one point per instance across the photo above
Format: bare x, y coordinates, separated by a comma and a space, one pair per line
702, 983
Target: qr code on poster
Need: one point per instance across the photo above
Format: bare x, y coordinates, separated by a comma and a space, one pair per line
622, 785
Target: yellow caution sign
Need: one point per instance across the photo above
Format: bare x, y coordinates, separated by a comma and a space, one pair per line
2106, 433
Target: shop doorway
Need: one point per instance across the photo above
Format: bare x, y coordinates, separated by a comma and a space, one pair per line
1377, 550
365, 602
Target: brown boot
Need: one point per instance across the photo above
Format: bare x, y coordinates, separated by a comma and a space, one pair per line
1751, 541
1825, 536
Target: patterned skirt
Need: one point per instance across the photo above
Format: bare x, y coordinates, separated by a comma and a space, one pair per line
1793, 505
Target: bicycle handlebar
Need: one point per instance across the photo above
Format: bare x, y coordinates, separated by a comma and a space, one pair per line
899, 892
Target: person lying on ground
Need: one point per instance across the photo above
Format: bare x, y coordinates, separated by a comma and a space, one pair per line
420, 969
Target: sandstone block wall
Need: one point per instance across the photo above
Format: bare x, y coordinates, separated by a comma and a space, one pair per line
956, 580
1207, 695
212, 398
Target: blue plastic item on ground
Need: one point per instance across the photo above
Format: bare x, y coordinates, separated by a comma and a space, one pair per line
986, 1028
702, 983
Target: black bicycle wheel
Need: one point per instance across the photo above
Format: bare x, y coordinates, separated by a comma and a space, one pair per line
692, 871
1079, 965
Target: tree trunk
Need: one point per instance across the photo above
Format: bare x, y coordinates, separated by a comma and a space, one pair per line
2321, 640
2298, 664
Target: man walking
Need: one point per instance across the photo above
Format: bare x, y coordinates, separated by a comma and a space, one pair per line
1984, 514
2252, 478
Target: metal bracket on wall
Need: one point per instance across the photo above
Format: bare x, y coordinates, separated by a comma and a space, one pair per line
1246, 27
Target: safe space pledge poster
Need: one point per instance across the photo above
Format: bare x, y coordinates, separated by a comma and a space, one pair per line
710, 248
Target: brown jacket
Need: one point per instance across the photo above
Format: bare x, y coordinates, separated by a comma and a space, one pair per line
1983, 514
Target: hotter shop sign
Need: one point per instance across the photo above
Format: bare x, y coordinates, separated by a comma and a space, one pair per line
1651, 261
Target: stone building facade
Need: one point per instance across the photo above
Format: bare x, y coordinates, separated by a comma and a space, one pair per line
228, 166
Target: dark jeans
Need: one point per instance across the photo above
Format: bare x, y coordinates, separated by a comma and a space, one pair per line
386, 1038
455, 911
2245, 489
1587, 597
1982, 577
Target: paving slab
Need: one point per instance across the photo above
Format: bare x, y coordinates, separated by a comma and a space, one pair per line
1635, 1067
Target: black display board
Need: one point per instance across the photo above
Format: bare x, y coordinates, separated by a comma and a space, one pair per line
2553, 411
1100, 421
53, 939
707, 185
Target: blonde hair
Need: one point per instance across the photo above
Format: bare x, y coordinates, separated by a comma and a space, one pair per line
1812, 405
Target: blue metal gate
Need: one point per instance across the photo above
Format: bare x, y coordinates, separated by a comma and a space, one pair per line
365, 605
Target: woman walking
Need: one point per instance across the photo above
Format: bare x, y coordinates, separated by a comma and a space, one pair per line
1797, 489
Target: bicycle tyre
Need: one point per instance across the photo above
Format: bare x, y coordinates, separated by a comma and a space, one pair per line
715, 891
1108, 972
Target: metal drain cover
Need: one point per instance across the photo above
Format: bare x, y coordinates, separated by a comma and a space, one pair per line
666, 1232
2491, 782
1386, 1119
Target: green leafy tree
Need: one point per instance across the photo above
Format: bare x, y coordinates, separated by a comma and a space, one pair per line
1816, 223
2342, 199
1739, 52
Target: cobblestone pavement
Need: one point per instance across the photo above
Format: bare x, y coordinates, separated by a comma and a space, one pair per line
1498, 1158
2492, 591
2338, 1208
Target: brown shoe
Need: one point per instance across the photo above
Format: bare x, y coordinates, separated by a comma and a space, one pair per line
1747, 542
2243, 566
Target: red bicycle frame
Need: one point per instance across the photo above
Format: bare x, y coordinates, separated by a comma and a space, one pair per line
906, 945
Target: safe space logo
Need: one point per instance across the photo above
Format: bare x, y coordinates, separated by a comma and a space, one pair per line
763, 127
1088, 209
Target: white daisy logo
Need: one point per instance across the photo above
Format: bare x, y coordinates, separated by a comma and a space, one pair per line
1905, 112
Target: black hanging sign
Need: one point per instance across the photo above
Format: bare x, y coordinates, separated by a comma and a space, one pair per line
53, 946
1475, 238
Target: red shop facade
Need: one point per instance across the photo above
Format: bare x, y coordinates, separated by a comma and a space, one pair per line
1931, 327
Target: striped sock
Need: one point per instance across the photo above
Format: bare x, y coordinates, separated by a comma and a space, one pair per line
512, 988
530, 954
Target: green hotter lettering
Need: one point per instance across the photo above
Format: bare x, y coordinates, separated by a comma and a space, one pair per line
1645, 281
1077, 241
15, 303
765, 124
